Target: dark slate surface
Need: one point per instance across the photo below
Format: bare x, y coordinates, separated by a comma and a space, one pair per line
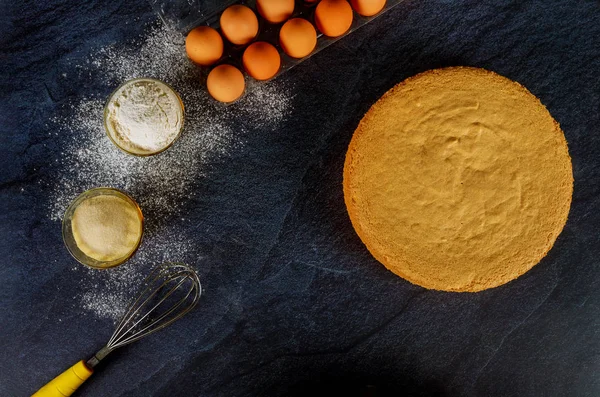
294, 304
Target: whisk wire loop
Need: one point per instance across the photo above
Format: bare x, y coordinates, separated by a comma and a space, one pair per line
170, 291
132, 328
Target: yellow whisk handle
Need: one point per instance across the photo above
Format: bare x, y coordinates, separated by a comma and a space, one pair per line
66, 383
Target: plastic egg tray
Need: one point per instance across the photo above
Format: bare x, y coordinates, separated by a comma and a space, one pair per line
184, 15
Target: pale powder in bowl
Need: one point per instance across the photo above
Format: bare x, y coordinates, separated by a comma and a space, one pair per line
106, 228
144, 116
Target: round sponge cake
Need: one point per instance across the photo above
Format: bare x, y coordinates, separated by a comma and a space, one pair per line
458, 179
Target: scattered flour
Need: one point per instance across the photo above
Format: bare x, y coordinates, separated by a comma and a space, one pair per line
107, 293
161, 184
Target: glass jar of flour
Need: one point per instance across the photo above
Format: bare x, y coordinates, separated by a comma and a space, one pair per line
144, 116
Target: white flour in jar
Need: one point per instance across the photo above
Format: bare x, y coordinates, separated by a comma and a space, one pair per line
144, 116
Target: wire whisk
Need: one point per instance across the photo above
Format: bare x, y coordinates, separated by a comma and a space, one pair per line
170, 291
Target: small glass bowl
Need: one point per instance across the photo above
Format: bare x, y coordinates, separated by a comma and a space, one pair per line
67, 231
109, 131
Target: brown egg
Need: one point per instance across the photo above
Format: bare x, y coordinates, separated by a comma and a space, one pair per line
367, 8
204, 45
261, 60
298, 37
225, 83
239, 24
275, 11
333, 17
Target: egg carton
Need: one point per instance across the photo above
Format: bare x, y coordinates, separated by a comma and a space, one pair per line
184, 15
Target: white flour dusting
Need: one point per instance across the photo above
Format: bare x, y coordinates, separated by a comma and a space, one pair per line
107, 293
161, 184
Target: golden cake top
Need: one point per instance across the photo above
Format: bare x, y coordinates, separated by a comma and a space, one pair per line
458, 179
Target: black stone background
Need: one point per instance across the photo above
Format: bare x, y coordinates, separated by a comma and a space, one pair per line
294, 304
